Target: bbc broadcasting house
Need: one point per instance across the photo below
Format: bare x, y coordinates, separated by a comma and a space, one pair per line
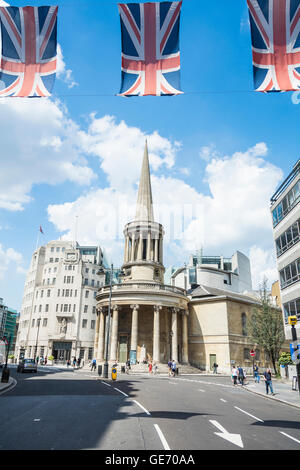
58, 313
285, 209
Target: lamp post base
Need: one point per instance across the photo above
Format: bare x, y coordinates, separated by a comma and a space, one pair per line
105, 370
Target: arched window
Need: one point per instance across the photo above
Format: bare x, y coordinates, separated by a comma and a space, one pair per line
244, 324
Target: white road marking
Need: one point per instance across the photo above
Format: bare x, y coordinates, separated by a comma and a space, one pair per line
106, 384
141, 406
200, 390
233, 438
257, 419
36, 419
162, 437
287, 435
222, 399
121, 392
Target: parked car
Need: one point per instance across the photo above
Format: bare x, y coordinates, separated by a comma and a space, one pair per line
27, 365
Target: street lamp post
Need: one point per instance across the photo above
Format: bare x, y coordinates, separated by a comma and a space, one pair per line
37, 336
293, 322
105, 368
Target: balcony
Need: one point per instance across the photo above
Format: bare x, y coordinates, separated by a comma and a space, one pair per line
142, 286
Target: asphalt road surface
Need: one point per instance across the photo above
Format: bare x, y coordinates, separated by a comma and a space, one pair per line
67, 410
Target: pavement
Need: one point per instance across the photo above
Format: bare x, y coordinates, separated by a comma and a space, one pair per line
281, 387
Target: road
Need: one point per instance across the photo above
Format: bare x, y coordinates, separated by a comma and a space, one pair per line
65, 409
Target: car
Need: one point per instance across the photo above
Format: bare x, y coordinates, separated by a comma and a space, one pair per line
27, 365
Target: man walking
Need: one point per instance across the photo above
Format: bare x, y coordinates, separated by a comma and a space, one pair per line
94, 362
173, 368
268, 381
215, 366
256, 373
234, 373
241, 375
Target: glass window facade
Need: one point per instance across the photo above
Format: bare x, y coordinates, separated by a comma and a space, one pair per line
290, 274
287, 204
291, 308
288, 238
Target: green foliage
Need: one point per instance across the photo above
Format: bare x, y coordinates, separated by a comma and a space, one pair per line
11, 356
50, 358
266, 326
285, 359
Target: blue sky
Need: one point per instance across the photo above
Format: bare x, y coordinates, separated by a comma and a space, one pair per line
220, 149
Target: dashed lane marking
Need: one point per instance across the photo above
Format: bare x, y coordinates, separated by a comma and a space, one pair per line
162, 437
243, 411
141, 406
291, 437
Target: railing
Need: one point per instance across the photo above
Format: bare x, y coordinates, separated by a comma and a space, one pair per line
290, 281
287, 246
144, 286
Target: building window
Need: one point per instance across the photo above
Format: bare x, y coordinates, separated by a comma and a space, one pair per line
87, 293
246, 353
291, 308
244, 324
92, 324
52, 249
86, 281
85, 309
84, 323
51, 260
42, 293
288, 238
40, 308
45, 321
32, 323
86, 270
48, 292
90, 354
47, 308
287, 204
94, 309
290, 274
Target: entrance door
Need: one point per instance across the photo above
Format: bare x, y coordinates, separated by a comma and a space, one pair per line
212, 360
123, 349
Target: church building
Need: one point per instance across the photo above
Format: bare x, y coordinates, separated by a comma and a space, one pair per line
154, 322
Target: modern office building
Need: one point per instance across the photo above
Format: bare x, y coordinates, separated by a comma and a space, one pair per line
285, 209
233, 274
8, 324
58, 313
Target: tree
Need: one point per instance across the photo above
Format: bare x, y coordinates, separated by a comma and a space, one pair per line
285, 359
266, 326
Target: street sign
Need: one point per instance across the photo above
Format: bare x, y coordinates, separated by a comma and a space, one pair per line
252, 353
292, 320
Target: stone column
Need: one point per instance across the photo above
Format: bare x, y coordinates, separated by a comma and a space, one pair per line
140, 246
126, 249
156, 249
134, 327
161, 250
96, 333
114, 334
174, 335
100, 352
185, 356
132, 247
156, 334
149, 245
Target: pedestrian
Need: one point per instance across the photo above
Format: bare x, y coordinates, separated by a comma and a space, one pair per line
94, 362
78, 361
155, 368
245, 377
256, 373
46, 359
68, 363
268, 381
150, 367
215, 366
173, 368
170, 367
234, 373
74, 361
127, 366
37, 359
241, 375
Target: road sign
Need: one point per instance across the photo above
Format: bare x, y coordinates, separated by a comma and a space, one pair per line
292, 320
252, 353
114, 373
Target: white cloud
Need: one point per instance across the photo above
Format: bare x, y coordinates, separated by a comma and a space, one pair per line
9, 257
62, 72
40, 148
263, 264
235, 216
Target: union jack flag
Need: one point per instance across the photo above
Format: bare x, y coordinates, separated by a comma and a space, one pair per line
275, 33
28, 57
150, 48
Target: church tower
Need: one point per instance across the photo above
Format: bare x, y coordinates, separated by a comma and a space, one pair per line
143, 254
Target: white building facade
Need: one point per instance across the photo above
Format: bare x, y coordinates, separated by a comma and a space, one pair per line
233, 274
285, 209
58, 313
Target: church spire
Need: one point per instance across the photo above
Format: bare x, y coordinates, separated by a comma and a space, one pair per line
144, 207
